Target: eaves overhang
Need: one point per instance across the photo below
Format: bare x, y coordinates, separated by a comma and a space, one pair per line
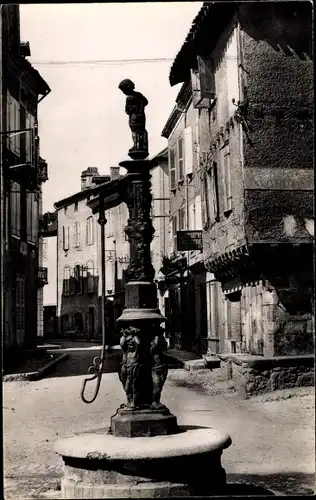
201, 39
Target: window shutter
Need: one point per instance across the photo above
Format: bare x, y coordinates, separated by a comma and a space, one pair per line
74, 234
195, 83
188, 150
172, 169
207, 78
90, 278
227, 180
78, 234
180, 158
198, 213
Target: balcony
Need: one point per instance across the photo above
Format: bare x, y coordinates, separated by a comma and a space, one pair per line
48, 224
42, 279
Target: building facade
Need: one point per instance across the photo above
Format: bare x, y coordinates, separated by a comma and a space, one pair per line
78, 262
250, 70
187, 281
22, 173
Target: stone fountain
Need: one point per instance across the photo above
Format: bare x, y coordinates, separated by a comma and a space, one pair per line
144, 453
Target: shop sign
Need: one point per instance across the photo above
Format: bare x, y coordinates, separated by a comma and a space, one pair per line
189, 240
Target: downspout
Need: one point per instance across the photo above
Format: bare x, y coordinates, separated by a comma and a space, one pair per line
2, 207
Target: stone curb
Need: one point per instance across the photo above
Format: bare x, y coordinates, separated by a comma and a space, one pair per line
35, 375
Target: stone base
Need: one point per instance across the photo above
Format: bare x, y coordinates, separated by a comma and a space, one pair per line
143, 422
252, 375
183, 464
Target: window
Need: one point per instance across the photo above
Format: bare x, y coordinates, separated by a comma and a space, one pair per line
76, 206
15, 208
66, 238
76, 234
232, 72
14, 123
172, 168
89, 231
227, 179
174, 226
29, 138
65, 209
198, 213
20, 309
212, 192
66, 281
188, 150
203, 83
180, 159
181, 219
31, 217
78, 278
90, 277
44, 249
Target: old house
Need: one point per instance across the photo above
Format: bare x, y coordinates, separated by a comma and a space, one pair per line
22, 173
186, 278
251, 75
78, 262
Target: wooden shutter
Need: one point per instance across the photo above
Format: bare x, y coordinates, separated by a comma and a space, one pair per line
172, 168
207, 78
188, 150
180, 159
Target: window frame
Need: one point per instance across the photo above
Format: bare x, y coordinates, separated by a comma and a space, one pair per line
226, 169
89, 230
172, 168
14, 123
180, 158
66, 238
15, 209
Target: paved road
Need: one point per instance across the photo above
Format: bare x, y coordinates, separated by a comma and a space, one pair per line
273, 441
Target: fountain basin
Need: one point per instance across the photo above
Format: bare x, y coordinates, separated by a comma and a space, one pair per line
99, 465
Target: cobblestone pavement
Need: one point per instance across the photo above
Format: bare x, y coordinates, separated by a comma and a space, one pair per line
273, 436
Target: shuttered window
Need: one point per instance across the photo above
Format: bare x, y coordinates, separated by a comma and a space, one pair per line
29, 138
66, 238
226, 167
89, 231
15, 209
188, 150
14, 123
180, 159
172, 169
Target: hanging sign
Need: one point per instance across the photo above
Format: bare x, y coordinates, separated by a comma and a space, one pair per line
189, 240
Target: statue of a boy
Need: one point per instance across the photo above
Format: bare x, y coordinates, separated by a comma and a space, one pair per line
135, 108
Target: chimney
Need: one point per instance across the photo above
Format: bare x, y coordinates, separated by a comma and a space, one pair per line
87, 177
115, 173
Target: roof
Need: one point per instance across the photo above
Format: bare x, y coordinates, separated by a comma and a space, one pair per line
79, 196
183, 98
205, 30
212, 19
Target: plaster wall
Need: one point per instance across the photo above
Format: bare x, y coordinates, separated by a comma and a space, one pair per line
82, 255
278, 163
217, 129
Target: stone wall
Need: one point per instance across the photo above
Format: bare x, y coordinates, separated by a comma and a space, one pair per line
251, 375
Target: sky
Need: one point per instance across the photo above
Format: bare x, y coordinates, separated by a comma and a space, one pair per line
82, 121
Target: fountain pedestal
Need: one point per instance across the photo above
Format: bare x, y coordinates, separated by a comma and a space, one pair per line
188, 463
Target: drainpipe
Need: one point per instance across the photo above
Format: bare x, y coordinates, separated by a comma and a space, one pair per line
2, 207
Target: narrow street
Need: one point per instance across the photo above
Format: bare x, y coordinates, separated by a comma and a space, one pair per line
273, 437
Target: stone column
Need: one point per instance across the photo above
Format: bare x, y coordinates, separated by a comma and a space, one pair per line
143, 369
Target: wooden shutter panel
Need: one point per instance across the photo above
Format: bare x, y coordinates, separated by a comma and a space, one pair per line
172, 169
188, 150
207, 78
